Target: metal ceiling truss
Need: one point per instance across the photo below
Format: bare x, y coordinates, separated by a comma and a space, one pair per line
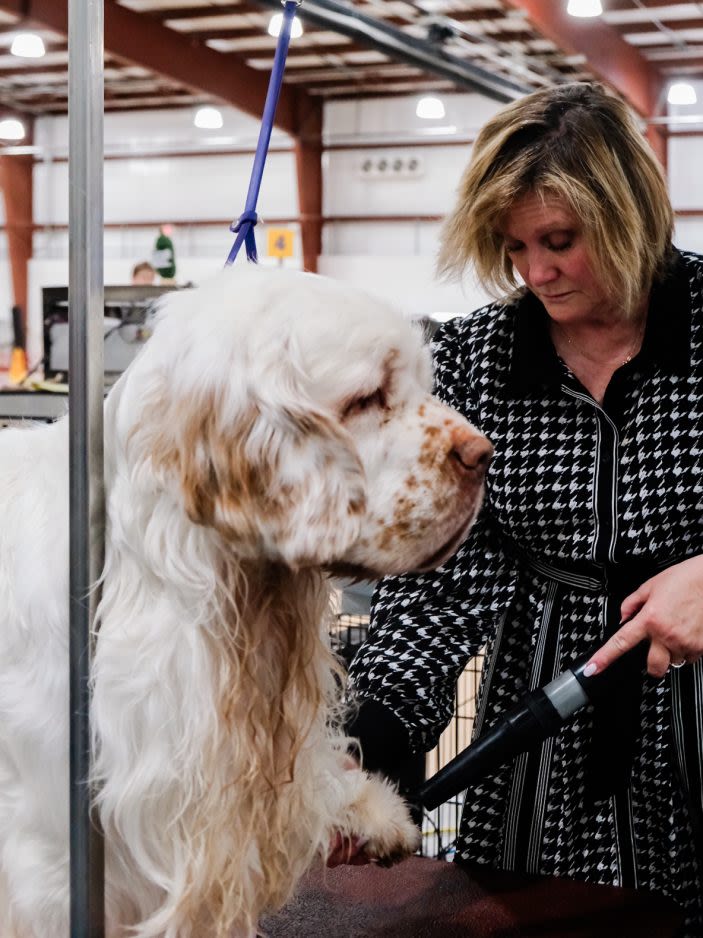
399, 46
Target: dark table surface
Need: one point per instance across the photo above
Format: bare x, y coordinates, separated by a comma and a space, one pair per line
422, 898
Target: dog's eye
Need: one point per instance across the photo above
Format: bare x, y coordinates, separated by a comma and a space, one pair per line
361, 404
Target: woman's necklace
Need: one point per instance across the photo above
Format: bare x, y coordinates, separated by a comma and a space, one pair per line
632, 351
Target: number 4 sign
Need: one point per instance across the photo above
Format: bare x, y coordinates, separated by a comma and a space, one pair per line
280, 242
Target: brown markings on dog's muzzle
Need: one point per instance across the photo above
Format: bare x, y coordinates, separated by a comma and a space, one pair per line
456, 451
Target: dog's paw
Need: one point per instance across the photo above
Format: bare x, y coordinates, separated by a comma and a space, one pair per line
379, 816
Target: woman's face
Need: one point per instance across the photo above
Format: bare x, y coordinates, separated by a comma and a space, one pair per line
544, 241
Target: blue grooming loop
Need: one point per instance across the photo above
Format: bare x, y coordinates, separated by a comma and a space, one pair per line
244, 226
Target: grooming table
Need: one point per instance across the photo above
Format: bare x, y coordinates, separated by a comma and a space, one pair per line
422, 898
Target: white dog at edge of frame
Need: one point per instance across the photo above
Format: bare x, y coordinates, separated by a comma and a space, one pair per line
277, 426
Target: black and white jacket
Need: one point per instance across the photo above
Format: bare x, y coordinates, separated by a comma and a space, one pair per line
583, 503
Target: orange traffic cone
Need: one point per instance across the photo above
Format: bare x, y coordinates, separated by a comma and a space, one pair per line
18, 366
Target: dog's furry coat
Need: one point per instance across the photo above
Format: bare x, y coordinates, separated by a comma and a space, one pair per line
276, 425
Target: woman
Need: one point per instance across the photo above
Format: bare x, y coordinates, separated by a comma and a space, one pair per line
589, 382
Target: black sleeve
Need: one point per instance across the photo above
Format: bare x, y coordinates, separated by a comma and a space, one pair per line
425, 627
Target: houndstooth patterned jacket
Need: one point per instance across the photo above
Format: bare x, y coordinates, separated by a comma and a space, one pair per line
577, 495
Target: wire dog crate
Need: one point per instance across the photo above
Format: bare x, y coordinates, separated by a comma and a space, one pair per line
441, 826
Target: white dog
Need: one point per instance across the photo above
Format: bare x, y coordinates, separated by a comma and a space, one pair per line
277, 425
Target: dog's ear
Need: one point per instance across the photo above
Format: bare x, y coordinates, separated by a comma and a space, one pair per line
276, 475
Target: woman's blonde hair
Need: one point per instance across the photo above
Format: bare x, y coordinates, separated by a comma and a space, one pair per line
580, 144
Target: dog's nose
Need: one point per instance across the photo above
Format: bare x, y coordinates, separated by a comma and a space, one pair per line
471, 450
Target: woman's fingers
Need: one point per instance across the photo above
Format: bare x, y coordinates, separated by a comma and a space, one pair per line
626, 637
667, 610
658, 659
632, 604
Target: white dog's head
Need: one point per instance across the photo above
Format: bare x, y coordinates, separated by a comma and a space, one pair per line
293, 414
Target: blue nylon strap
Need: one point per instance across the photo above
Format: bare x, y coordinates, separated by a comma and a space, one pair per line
244, 226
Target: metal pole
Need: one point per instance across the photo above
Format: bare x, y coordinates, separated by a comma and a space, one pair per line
85, 409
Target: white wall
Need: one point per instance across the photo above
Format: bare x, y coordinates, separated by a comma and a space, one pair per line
157, 184
685, 154
164, 175
204, 183
193, 188
407, 282
161, 175
349, 192
154, 132
396, 258
351, 120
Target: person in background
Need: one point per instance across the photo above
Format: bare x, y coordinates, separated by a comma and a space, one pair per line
143, 274
587, 376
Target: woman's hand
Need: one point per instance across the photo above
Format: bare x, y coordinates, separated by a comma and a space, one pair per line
667, 610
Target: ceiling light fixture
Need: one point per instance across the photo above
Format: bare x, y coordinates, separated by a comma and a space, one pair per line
276, 21
584, 8
11, 129
28, 46
208, 118
430, 108
681, 92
